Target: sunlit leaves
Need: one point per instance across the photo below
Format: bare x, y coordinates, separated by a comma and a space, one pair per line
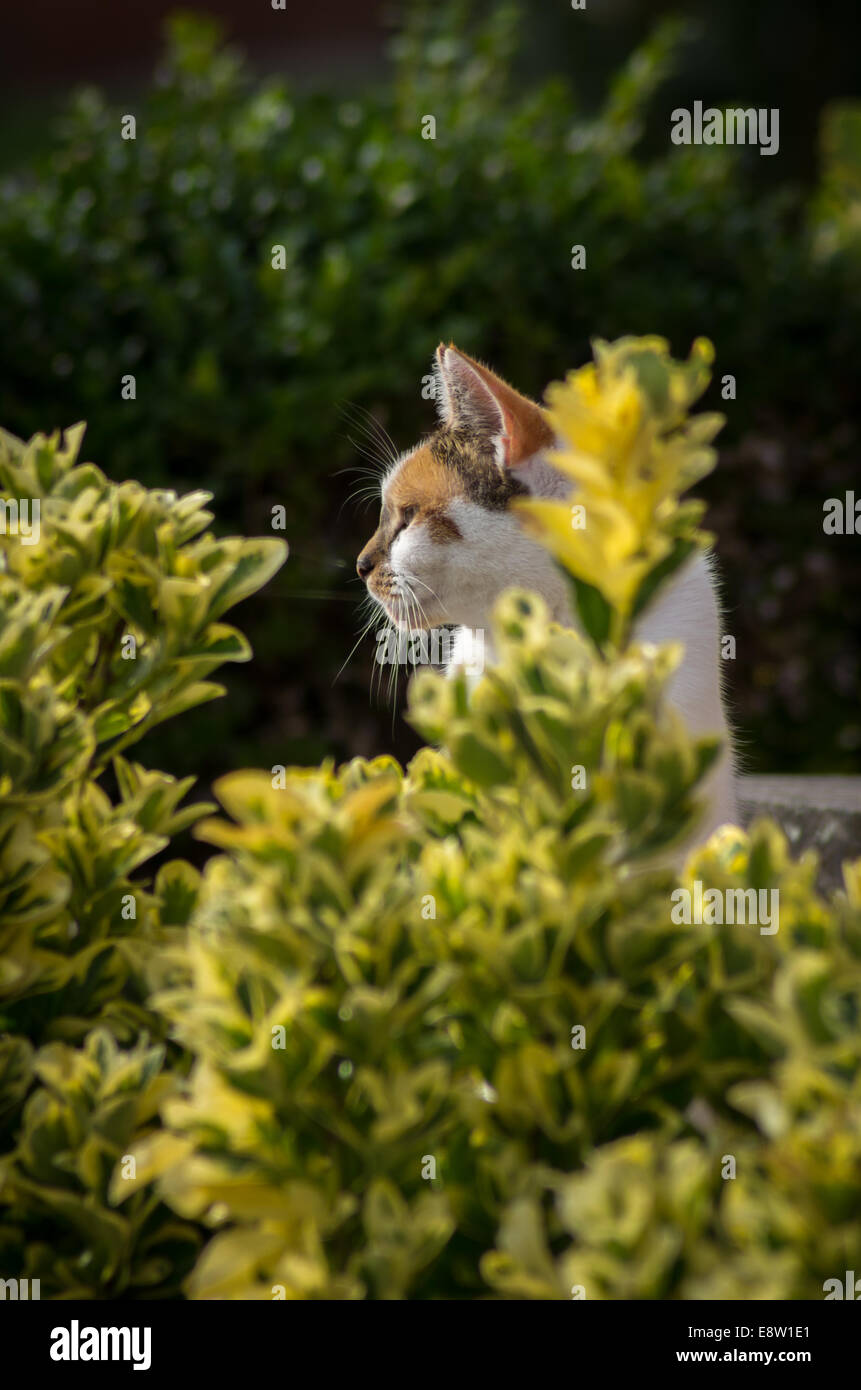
630, 451
107, 627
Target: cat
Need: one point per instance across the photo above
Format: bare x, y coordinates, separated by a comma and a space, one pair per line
448, 544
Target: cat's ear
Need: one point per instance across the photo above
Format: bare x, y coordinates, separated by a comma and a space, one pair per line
472, 397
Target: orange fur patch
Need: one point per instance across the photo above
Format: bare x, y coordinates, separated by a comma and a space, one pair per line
422, 481
425, 483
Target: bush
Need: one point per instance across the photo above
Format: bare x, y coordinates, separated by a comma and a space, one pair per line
109, 625
448, 1038
154, 257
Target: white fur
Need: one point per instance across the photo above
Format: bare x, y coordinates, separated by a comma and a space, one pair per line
687, 611
467, 576
459, 582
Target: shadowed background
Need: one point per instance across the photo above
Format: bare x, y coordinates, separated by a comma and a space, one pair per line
153, 257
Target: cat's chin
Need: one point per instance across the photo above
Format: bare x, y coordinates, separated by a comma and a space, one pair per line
405, 618
405, 624
397, 613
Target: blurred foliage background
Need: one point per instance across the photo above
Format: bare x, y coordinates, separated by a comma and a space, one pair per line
153, 257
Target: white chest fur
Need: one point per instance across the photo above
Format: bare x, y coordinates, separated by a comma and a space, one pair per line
687, 611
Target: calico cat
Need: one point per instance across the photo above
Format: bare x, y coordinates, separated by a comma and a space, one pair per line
448, 544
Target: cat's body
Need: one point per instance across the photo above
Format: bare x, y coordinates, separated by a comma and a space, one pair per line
448, 544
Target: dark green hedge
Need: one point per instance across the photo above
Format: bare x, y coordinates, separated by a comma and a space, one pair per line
153, 257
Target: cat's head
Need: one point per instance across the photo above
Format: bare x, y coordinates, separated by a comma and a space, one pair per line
448, 543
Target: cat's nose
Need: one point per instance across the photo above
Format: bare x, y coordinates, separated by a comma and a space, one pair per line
364, 565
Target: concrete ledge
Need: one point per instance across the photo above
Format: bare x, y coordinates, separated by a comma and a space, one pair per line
821, 813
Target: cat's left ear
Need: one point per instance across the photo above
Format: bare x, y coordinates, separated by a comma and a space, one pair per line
473, 398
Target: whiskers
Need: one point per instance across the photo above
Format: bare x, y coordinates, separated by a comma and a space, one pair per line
376, 612
416, 619
395, 647
375, 445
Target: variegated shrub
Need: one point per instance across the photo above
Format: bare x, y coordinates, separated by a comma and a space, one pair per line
109, 624
449, 1041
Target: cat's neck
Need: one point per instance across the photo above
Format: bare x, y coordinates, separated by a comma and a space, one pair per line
513, 560
472, 645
